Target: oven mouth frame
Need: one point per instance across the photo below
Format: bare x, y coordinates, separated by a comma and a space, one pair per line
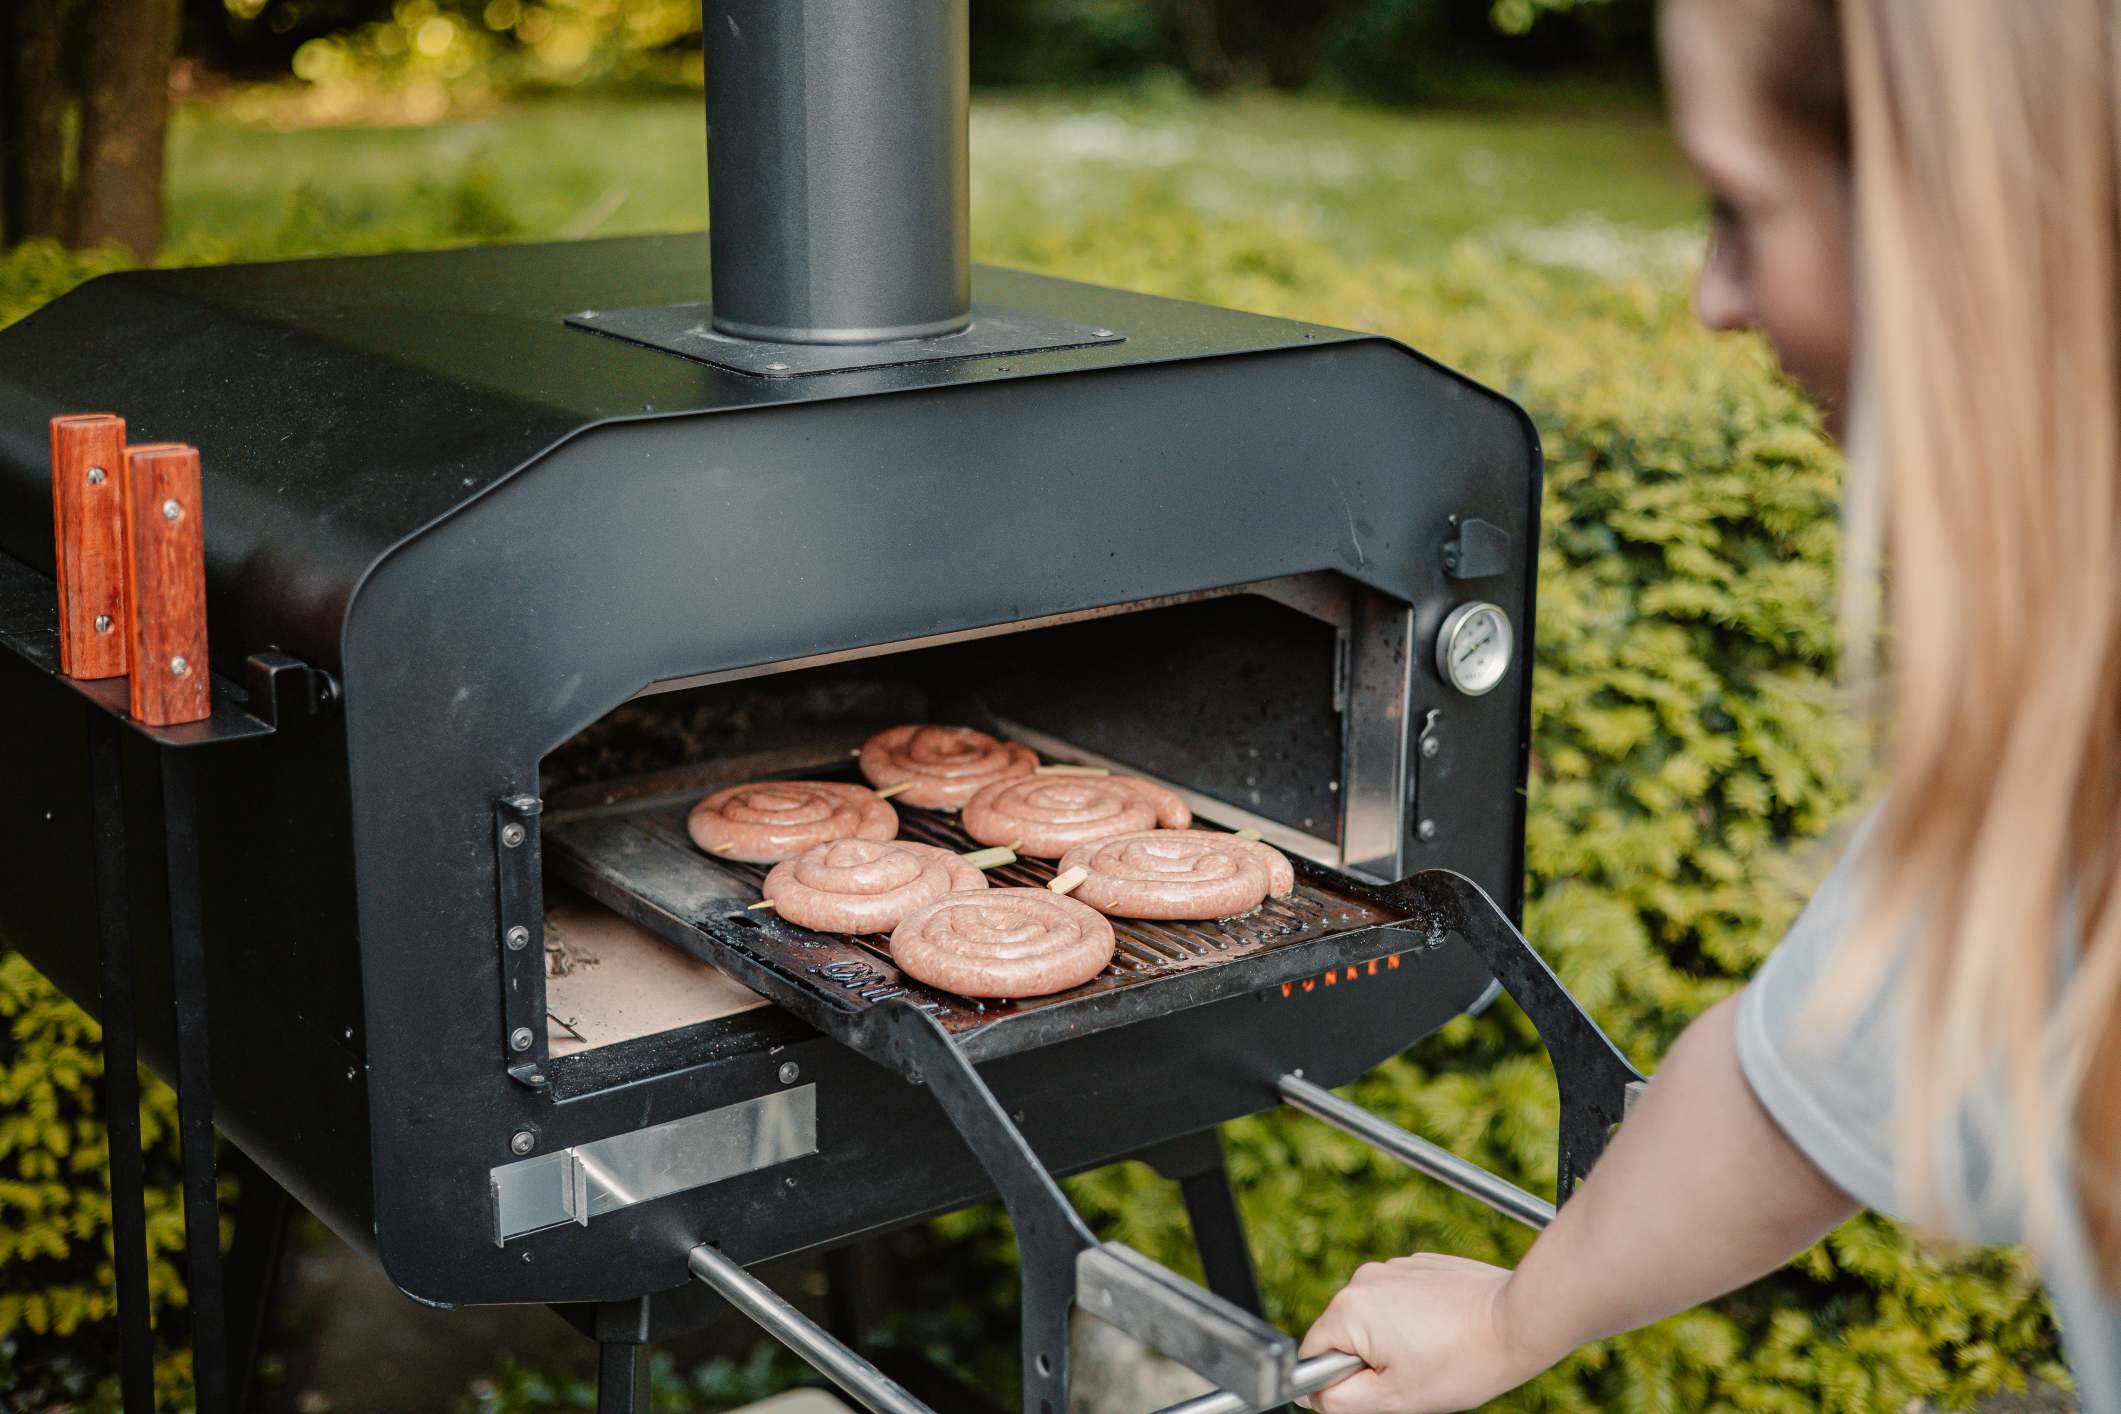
1372, 690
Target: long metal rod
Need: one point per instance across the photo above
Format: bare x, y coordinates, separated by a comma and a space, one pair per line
874, 1389
1416, 1152
1310, 1376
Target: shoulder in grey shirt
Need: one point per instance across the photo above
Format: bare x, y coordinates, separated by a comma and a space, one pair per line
1832, 1093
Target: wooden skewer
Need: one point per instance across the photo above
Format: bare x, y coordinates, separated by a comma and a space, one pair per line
888, 791
990, 858
1066, 883
1249, 834
762, 903
1073, 771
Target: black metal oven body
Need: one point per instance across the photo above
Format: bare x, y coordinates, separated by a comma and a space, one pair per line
447, 531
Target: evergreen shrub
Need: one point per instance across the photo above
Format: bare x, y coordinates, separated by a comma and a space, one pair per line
1688, 749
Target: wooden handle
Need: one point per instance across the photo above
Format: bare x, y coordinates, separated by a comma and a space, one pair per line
165, 562
88, 523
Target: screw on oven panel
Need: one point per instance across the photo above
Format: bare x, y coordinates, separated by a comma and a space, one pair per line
103, 623
522, 1142
518, 938
96, 476
512, 835
789, 1071
519, 1039
1430, 746
1426, 829
171, 510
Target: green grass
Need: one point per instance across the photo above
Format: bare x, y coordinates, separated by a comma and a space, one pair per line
1587, 185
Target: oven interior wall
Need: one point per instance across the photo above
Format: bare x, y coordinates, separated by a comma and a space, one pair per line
1234, 698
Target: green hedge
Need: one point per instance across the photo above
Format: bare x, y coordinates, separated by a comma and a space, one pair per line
1687, 746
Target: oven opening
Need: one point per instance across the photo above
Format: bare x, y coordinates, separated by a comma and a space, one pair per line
1262, 706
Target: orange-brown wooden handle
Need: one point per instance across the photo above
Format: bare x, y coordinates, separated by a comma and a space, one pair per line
165, 561
88, 523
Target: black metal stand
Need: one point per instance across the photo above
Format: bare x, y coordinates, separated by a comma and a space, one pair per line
1195, 1163
121, 1069
148, 891
622, 1378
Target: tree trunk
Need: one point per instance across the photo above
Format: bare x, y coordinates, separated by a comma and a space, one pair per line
32, 119
1200, 43
124, 124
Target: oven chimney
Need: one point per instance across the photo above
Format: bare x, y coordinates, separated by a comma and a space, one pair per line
837, 169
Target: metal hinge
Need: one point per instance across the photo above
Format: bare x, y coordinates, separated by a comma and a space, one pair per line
520, 913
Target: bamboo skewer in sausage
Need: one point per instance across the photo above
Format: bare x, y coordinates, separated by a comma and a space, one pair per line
1178, 875
1003, 943
764, 822
865, 886
942, 767
1054, 814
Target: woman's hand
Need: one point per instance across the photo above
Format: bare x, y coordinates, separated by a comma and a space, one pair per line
1698, 1194
1434, 1331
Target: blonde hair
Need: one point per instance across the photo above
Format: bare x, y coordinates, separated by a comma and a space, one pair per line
1986, 478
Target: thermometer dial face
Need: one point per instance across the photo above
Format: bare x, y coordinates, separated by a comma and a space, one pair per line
1474, 648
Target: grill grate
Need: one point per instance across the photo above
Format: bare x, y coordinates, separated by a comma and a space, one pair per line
627, 847
1143, 947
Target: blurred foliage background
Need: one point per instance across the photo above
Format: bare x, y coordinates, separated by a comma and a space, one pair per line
1488, 180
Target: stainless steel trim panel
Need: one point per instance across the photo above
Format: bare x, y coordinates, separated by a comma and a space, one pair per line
589, 1180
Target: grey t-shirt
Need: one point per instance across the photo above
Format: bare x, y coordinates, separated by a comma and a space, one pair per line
1831, 1090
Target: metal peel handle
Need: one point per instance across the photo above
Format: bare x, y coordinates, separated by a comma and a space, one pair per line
1311, 1375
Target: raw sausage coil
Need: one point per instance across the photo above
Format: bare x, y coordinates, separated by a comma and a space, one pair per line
942, 767
1046, 816
1003, 943
767, 821
1178, 874
865, 886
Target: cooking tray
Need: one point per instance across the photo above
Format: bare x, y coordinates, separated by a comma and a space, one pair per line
629, 850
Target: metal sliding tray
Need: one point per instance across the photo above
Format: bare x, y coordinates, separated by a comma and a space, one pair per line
628, 849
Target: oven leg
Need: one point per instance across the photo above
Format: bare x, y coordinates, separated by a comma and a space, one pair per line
121, 1073
846, 1295
622, 1378
1195, 1163
262, 1211
195, 1095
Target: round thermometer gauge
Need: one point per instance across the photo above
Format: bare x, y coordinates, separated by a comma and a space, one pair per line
1474, 648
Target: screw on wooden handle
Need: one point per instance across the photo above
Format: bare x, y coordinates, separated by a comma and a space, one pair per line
165, 563
88, 526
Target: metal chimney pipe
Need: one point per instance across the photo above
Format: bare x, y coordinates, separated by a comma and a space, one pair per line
837, 170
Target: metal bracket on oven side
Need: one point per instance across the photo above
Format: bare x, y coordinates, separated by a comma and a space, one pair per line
1062, 1264
520, 914
1426, 747
1596, 1083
